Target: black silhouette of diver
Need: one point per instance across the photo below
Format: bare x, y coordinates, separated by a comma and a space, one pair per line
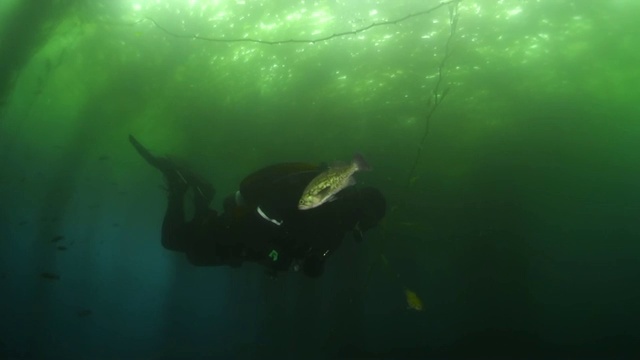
261, 222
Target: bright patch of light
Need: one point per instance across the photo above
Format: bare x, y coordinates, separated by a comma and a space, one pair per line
137, 7
222, 15
192, 2
294, 16
373, 12
514, 12
429, 35
264, 26
322, 16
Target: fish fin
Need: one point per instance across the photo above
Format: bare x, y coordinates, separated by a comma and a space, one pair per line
351, 181
332, 198
361, 163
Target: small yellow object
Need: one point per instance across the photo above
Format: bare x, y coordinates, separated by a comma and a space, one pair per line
413, 301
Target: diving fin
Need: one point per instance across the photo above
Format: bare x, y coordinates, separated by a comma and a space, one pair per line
178, 179
146, 155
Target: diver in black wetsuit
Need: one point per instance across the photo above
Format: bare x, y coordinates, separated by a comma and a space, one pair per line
261, 222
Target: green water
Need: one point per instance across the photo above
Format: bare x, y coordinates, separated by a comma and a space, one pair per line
515, 220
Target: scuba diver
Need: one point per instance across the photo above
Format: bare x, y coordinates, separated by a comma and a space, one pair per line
288, 216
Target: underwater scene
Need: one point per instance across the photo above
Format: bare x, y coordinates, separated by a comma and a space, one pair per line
305, 179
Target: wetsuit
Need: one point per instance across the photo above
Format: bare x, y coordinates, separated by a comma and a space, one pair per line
262, 223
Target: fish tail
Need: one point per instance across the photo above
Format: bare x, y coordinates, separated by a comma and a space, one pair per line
360, 163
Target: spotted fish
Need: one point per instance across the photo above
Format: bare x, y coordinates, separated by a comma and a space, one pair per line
324, 187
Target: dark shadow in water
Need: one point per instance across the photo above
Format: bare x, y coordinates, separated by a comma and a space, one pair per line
349, 273
493, 254
513, 345
22, 34
94, 121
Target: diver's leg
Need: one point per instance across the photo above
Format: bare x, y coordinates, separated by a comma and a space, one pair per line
212, 243
204, 248
176, 179
178, 234
203, 193
175, 230
179, 178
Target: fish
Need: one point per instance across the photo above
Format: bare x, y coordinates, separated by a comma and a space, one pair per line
57, 238
413, 301
324, 187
